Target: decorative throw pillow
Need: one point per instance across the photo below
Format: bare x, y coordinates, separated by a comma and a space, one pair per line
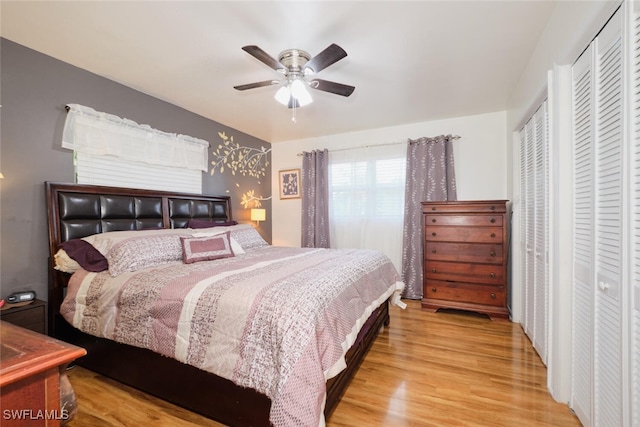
248, 237
143, 252
83, 253
206, 248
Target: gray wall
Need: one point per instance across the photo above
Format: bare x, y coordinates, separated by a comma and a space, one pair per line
34, 90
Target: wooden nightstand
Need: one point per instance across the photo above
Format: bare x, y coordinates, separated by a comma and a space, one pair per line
31, 316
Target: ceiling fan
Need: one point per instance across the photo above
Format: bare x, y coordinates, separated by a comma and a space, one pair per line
298, 68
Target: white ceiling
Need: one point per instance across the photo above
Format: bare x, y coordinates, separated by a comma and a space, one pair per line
410, 61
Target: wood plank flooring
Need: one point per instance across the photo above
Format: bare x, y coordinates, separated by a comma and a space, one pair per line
426, 369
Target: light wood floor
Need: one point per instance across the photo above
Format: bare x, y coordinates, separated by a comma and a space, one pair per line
426, 369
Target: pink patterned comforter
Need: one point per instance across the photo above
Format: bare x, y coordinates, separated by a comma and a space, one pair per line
278, 320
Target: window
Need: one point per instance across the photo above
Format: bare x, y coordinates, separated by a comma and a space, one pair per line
366, 198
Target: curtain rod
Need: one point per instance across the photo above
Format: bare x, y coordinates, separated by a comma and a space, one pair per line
376, 145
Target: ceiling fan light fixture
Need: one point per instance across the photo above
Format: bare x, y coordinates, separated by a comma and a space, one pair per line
300, 92
283, 94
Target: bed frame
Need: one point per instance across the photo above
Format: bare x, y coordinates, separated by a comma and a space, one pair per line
75, 211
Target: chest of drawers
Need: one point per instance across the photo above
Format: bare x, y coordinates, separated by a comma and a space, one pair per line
466, 254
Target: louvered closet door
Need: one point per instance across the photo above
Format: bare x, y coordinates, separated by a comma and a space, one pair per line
634, 301
608, 361
534, 146
583, 240
541, 221
529, 234
597, 381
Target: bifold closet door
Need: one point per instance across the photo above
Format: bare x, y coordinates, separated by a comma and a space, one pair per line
534, 191
597, 380
634, 301
609, 211
583, 240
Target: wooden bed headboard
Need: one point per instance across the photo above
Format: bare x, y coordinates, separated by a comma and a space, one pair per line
76, 210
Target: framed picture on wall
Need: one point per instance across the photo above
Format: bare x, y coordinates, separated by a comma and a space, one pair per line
290, 184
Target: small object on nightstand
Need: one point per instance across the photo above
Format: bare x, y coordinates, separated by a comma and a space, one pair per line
20, 297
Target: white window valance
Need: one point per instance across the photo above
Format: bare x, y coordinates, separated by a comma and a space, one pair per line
102, 134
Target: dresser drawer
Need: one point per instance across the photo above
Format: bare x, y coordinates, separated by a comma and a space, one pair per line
498, 206
465, 292
464, 234
464, 220
492, 274
464, 252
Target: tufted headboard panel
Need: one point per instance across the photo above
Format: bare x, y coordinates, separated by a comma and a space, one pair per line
182, 210
83, 214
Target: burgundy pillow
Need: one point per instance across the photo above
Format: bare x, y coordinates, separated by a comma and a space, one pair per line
206, 248
86, 255
203, 223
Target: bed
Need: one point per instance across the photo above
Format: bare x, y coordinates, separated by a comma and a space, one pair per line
173, 328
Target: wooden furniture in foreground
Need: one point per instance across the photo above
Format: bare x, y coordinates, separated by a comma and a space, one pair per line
31, 316
75, 211
32, 370
466, 253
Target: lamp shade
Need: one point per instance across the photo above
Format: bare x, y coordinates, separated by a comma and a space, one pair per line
283, 94
258, 214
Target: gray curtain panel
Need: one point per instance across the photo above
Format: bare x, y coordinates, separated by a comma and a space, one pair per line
315, 199
430, 177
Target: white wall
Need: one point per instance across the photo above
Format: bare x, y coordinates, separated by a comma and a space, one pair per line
480, 157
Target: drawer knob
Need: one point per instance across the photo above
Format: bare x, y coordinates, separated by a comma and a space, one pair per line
493, 296
493, 208
434, 290
433, 234
433, 208
493, 234
433, 270
433, 251
433, 220
493, 275
492, 220
492, 253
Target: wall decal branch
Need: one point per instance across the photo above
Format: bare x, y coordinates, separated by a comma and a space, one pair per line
245, 161
249, 197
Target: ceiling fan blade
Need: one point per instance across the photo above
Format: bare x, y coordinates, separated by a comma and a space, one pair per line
257, 84
264, 57
332, 87
330, 55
